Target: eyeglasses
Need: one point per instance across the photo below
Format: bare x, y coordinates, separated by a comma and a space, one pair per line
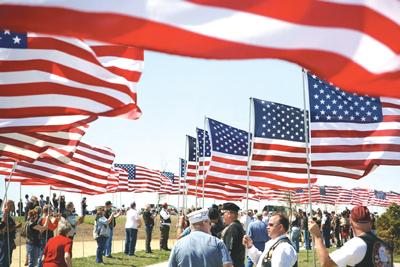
273, 225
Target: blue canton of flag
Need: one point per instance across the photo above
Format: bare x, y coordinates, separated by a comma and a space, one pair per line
182, 167
129, 168
228, 139
200, 139
330, 104
299, 191
9, 39
192, 148
169, 175
380, 195
278, 121
322, 190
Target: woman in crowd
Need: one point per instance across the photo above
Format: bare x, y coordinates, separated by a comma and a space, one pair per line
58, 250
72, 218
33, 230
102, 231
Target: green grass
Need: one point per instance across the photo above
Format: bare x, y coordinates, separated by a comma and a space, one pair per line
120, 259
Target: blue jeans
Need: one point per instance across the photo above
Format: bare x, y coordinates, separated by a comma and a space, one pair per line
33, 254
130, 241
107, 251
101, 244
5, 253
306, 236
295, 237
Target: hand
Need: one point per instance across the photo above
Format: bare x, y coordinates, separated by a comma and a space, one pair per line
247, 241
314, 229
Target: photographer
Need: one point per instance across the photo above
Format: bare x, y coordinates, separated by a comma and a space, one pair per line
108, 213
148, 217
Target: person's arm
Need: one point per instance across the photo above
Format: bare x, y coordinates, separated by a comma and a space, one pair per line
67, 258
322, 252
109, 220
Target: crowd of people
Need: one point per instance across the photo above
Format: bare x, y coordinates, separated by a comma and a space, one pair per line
218, 236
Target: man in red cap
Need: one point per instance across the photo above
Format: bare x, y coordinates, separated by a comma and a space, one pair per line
364, 250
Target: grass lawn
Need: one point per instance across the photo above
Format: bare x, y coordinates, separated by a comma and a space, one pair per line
120, 259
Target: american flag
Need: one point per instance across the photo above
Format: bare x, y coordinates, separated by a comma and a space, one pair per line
265, 193
360, 196
124, 185
279, 144
313, 33
229, 156
344, 196
301, 196
378, 198
352, 130
29, 146
143, 179
220, 191
393, 197
167, 179
87, 172
204, 148
54, 83
328, 194
191, 172
113, 181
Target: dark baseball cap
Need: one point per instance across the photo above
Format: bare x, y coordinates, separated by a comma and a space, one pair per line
360, 214
108, 203
231, 207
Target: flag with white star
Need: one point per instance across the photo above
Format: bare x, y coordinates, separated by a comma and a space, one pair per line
204, 148
191, 172
348, 129
55, 83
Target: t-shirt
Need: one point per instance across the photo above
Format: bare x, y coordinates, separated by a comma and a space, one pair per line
55, 250
132, 218
352, 252
199, 249
284, 255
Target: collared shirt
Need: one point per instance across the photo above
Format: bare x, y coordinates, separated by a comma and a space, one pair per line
199, 249
284, 255
258, 231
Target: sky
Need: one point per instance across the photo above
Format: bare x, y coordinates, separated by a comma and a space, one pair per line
176, 93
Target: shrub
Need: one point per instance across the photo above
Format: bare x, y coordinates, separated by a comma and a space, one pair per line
388, 226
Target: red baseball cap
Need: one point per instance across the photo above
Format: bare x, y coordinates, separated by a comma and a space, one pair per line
360, 214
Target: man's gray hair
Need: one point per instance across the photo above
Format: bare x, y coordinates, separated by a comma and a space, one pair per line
63, 228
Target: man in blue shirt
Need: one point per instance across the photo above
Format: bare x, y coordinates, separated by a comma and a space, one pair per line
257, 231
199, 248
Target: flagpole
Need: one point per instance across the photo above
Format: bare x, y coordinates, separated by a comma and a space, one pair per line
20, 237
306, 132
184, 204
204, 154
249, 156
197, 166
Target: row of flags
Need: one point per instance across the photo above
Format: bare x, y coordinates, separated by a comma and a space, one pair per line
350, 43
348, 135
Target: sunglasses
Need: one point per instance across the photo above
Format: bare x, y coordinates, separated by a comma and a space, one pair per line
273, 225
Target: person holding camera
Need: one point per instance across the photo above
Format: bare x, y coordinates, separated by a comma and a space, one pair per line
148, 218
108, 213
102, 229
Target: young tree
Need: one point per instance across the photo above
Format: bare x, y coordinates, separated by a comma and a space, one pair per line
388, 226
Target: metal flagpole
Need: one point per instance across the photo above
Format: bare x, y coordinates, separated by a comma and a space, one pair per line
7, 184
20, 237
197, 166
204, 155
185, 196
249, 144
306, 132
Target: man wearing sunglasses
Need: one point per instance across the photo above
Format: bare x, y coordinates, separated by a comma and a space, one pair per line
279, 251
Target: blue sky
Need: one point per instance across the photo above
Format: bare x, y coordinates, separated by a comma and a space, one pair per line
176, 93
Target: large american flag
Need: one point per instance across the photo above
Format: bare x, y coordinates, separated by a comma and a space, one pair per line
344, 196
220, 191
167, 179
279, 144
53, 83
360, 196
358, 39
87, 172
142, 179
352, 130
229, 156
28, 146
113, 181
124, 185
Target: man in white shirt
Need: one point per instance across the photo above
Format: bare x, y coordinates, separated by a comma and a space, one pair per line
165, 223
365, 249
132, 224
278, 252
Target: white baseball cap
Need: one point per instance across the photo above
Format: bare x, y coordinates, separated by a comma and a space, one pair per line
198, 216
